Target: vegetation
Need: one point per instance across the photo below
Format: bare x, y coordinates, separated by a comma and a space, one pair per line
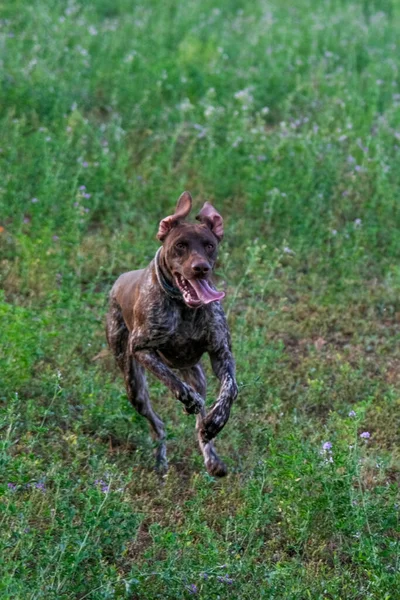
286, 116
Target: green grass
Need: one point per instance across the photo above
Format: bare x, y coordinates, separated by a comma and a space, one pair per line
287, 116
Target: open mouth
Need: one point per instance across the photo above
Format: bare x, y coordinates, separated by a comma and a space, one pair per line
196, 292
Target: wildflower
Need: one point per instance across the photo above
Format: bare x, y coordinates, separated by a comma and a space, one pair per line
11, 486
104, 486
236, 142
40, 486
352, 413
287, 250
34, 200
192, 588
82, 188
92, 30
327, 446
225, 579
357, 223
185, 105
204, 575
55, 238
85, 164
87, 196
334, 232
130, 57
365, 435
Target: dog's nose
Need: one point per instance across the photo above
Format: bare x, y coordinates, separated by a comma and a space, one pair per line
200, 268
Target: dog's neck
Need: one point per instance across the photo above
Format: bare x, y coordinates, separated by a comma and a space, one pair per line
164, 277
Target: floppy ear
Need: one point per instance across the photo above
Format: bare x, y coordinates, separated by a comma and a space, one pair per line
210, 217
182, 210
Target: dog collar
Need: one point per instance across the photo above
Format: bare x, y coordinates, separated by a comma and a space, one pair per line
170, 290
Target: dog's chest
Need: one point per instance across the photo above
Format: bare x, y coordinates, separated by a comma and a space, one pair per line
186, 341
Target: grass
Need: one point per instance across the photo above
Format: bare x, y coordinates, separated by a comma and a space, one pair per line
286, 116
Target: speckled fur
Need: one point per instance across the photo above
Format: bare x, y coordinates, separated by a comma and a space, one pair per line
147, 329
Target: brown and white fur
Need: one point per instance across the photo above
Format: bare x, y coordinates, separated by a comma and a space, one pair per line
165, 317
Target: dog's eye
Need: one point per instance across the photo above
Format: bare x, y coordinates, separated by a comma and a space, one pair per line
180, 246
209, 247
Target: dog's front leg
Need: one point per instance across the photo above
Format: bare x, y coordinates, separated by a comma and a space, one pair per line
192, 401
224, 368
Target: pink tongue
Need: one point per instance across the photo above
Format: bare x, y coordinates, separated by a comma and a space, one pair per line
205, 292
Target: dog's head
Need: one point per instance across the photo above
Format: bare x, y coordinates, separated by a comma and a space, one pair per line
190, 250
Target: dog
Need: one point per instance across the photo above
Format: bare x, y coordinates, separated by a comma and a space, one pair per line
165, 317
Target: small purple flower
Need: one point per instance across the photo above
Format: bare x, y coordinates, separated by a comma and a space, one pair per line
26, 220
365, 435
40, 486
82, 188
104, 486
55, 238
85, 164
12, 486
352, 413
225, 579
357, 223
327, 446
86, 210
204, 575
192, 589
87, 196
34, 200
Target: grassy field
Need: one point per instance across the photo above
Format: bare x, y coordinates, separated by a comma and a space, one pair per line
286, 115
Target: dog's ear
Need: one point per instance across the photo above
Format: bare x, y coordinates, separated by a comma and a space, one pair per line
210, 217
182, 210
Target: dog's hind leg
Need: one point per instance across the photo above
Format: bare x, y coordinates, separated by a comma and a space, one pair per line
196, 379
136, 387
135, 380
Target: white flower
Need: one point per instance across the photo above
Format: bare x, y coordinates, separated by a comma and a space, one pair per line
244, 96
185, 105
209, 111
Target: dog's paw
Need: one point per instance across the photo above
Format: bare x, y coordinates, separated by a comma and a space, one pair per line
192, 401
214, 421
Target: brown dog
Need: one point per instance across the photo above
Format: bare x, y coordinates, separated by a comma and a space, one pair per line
165, 317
